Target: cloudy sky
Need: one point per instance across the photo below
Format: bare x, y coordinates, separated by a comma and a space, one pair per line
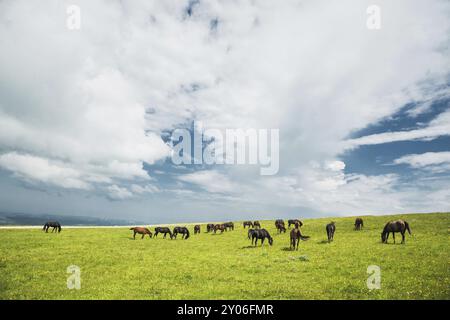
363, 114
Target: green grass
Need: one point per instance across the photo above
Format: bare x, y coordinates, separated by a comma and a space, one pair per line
224, 266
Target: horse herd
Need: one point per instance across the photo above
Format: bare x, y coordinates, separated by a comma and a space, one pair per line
255, 232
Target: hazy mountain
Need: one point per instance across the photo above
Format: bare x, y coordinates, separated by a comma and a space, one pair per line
39, 219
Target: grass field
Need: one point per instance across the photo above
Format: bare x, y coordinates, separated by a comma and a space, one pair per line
224, 266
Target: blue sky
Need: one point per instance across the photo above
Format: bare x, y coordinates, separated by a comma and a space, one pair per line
86, 114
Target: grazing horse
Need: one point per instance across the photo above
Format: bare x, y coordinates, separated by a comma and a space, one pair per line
164, 230
261, 234
52, 224
281, 228
142, 231
210, 227
296, 236
196, 229
229, 225
395, 226
248, 224
279, 222
183, 230
359, 224
256, 224
294, 221
331, 228
220, 227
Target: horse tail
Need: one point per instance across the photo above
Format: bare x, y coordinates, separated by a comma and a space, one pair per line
187, 234
407, 227
304, 238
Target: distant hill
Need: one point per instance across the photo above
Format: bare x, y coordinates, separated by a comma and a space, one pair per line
24, 219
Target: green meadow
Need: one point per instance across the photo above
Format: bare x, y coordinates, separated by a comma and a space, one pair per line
33, 264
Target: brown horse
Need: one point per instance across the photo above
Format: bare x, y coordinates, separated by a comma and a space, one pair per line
395, 226
256, 224
142, 231
296, 236
359, 224
196, 229
248, 224
210, 227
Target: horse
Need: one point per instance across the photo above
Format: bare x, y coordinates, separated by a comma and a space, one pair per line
210, 227
359, 223
294, 221
250, 233
248, 224
229, 225
142, 231
220, 227
281, 228
395, 226
183, 230
256, 224
331, 228
261, 234
296, 236
54, 224
279, 222
164, 230
196, 229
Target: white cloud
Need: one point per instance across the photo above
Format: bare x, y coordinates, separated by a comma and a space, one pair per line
95, 101
438, 127
432, 161
211, 181
34, 168
118, 193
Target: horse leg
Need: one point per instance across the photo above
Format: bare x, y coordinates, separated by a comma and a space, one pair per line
393, 236
143, 236
298, 241
262, 241
403, 237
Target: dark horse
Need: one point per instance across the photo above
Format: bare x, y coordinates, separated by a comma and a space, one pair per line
331, 228
296, 236
52, 224
279, 224
294, 221
359, 224
196, 229
260, 234
256, 224
142, 231
164, 230
395, 226
248, 224
220, 227
183, 230
210, 227
229, 225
